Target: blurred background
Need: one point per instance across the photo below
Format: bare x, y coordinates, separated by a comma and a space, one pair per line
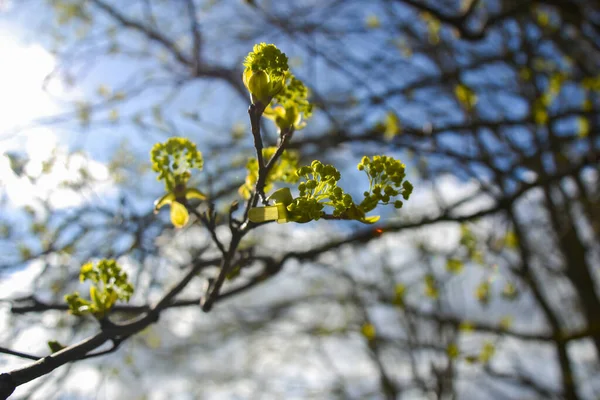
485, 285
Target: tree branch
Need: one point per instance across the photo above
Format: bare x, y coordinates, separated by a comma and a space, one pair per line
5, 350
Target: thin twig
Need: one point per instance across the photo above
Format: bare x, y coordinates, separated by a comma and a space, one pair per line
20, 354
209, 221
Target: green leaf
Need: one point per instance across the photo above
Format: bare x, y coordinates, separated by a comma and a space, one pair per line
277, 213
179, 214
483, 292
399, 294
284, 170
452, 351
370, 220
282, 196
368, 330
583, 129
372, 21
392, 126
510, 240
506, 322
487, 352
174, 160
509, 291
112, 285
55, 346
454, 266
465, 96
466, 326
85, 270
431, 289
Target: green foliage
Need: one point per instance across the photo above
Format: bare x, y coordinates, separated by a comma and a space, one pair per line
433, 27
284, 170
17, 163
591, 83
173, 161
583, 127
454, 265
399, 295
24, 251
509, 291
469, 242
278, 212
466, 327
539, 107
392, 126
70, 10
268, 80
506, 322
539, 112
268, 58
510, 240
5, 230
483, 292
368, 331
295, 94
109, 285
431, 287
55, 346
465, 96
293, 107
453, 351
372, 21
487, 352
386, 181
467, 238
318, 189
265, 73
485, 355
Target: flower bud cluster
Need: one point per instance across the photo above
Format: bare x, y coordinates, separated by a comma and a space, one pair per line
320, 189
294, 108
268, 58
284, 97
295, 93
173, 161
305, 209
110, 284
265, 73
106, 271
386, 177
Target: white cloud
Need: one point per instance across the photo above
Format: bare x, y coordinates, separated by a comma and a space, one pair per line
22, 73
21, 191
19, 283
23, 100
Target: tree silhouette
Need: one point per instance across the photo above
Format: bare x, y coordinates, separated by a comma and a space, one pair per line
485, 283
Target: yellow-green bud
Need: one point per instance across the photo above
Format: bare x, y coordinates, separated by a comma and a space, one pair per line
259, 87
